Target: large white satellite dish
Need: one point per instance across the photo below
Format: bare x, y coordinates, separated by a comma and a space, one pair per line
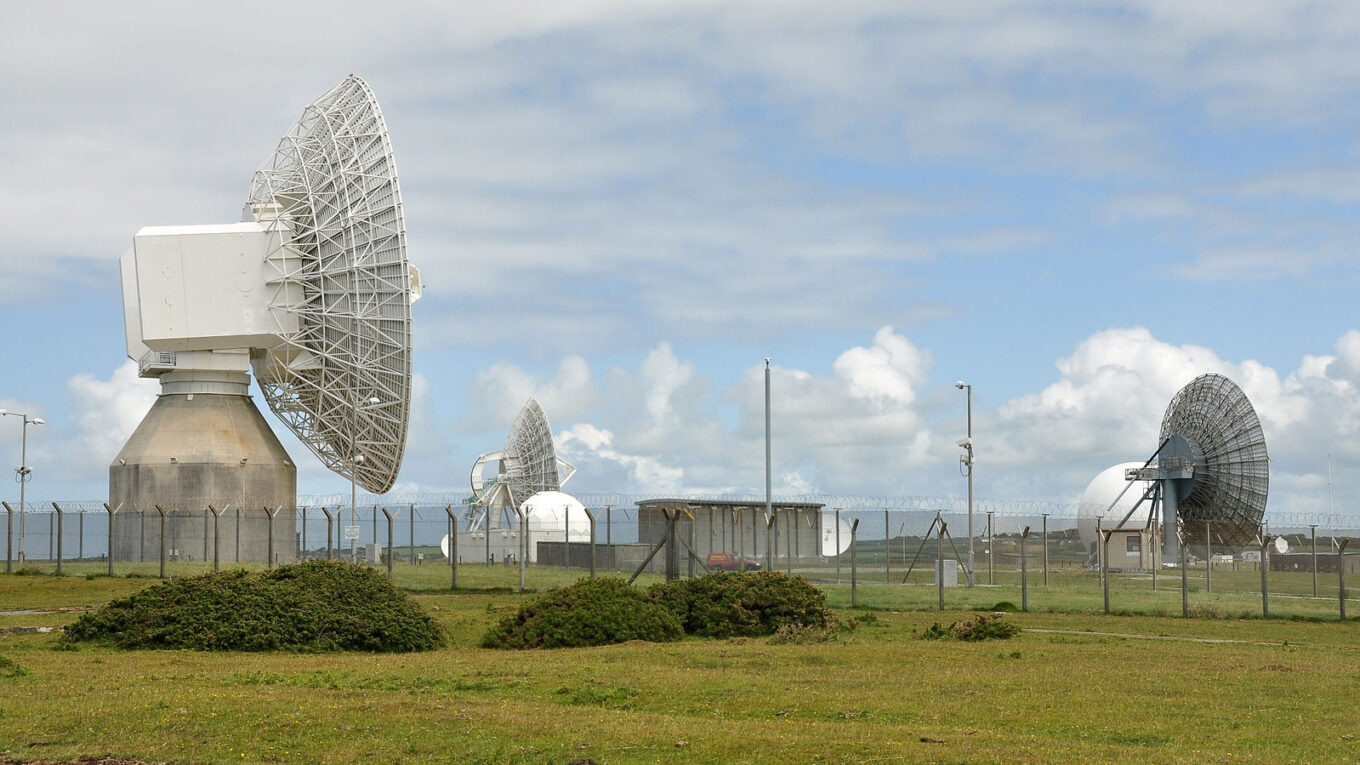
344, 285
312, 290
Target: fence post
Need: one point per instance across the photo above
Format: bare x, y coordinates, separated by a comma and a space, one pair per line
769, 539
161, 510
330, 530
1024, 572
1208, 559
9, 538
453, 546
1313, 529
991, 550
391, 552
269, 554
1341, 574
1105, 581
61, 517
111, 513
217, 538
411, 543
854, 568
523, 543
939, 561
689, 559
838, 545
80, 534
887, 548
591, 516
1045, 549
1185, 581
1265, 593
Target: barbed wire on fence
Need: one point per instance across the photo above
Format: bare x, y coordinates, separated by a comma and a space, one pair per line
1000, 508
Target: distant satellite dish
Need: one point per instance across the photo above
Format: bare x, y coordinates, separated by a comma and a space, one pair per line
1212, 468
1281, 545
830, 549
528, 464
444, 545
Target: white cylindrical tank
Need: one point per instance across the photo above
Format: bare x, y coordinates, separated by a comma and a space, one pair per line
1101, 491
549, 512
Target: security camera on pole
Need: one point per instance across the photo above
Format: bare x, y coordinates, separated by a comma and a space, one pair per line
967, 459
23, 472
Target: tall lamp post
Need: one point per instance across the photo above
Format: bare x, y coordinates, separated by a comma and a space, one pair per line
23, 472
967, 459
353, 490
769, 502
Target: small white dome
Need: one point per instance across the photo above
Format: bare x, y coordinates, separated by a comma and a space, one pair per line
1101, 491
549, 512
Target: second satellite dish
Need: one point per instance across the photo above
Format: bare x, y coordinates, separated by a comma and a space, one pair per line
1212, 467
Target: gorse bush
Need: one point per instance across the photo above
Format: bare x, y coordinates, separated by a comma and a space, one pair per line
743, 603
311, 606
983, 627
590, 612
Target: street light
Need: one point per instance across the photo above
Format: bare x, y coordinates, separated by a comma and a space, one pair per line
353, 489
769, 505
23, 472
967, 460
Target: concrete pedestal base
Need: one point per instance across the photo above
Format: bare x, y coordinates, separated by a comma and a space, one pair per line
193, 450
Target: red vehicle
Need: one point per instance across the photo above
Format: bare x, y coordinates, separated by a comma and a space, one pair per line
726, 561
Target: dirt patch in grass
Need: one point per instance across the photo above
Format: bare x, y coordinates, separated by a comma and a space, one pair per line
7, 760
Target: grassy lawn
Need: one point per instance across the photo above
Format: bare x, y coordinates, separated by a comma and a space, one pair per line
1282, 690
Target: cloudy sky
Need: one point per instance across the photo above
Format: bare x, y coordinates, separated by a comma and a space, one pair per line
622, 208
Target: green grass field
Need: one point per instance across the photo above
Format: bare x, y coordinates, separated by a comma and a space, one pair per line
1075, 686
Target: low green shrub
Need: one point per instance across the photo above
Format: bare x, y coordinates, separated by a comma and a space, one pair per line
590, 612
743, 603
311, 606
981, 627
9, 668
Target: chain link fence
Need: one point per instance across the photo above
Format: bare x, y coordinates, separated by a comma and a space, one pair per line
900, 546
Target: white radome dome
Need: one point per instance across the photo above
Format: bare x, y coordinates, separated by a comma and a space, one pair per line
1101, 491
549, 512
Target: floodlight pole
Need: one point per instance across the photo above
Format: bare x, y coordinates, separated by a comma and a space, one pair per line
23, 473
968, 460
769, 502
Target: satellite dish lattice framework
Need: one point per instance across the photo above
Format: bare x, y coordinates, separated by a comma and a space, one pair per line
332, 186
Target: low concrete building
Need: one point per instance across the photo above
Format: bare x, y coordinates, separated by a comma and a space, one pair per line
738, 527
